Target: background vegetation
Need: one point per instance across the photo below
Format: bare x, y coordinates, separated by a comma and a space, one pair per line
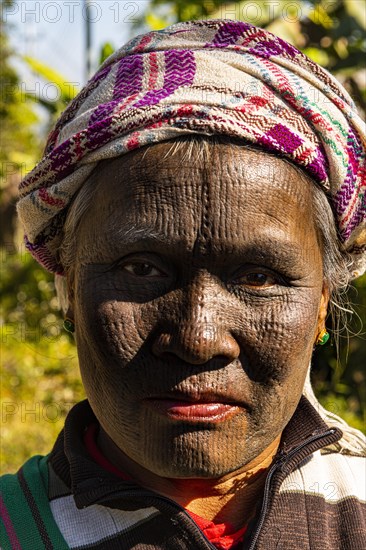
40, 380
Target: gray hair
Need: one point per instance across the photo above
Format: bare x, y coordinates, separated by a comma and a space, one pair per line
336, 262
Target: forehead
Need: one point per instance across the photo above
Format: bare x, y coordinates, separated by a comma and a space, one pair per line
219, 192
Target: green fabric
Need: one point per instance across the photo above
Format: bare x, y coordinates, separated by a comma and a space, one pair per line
35, 472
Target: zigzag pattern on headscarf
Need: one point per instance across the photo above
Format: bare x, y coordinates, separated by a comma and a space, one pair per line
207, 77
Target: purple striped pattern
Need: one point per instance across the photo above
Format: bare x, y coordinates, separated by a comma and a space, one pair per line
128, 82
318, 166
354, 152
280, 137
71, 110
269, 48
357, 219
228, 33
180, 69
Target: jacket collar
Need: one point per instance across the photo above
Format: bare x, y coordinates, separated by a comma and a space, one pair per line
305, 433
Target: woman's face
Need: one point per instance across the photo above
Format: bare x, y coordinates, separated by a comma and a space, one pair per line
198, 294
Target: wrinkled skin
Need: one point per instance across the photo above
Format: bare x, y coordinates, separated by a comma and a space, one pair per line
193, 278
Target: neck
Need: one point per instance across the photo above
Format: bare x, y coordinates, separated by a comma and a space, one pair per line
230, 499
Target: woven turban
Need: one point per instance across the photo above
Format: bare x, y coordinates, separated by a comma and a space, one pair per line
215, 77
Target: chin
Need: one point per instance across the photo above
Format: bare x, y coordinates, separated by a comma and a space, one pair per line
207, 469
196, 455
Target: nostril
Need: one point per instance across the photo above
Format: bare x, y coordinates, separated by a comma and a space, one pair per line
197, 347
162, 344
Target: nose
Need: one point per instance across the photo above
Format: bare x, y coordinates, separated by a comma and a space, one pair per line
198, 327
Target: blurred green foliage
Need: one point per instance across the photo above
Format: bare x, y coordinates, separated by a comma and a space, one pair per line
19, 144
40, 379
39, 371
339, 379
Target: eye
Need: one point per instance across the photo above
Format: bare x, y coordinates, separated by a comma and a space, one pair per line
142, 269
257, 279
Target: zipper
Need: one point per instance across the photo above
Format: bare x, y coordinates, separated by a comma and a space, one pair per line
280, 465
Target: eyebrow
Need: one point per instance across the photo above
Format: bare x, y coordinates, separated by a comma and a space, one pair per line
281, 249
133, 235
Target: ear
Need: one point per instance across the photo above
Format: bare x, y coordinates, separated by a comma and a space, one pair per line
323, 310
65, 295
70, 314
70, 296
69, 321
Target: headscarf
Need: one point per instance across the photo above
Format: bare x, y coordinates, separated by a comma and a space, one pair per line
215, 77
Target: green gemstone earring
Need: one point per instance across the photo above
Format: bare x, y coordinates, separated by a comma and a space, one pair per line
322, 338
69, 325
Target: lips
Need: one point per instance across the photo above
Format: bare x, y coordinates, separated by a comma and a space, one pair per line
192, 412
207, 407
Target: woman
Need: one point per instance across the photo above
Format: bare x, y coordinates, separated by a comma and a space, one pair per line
202, 202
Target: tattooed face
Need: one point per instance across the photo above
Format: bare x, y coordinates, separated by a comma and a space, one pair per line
197, 297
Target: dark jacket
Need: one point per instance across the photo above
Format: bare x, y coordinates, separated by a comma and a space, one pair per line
312, 500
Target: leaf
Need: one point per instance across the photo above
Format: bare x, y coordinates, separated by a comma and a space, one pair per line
319, 16
68, 90
155, 23
288, 30
357, 9
105, 51
316, 54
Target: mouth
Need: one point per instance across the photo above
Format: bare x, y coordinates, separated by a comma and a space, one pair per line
189, 408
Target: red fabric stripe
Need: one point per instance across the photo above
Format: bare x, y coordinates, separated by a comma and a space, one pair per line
221, 535
133, 142
351, 205
93, 450
45, 197
153, 70
10, 531
143, 43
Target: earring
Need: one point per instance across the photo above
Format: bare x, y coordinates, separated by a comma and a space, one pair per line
69, 325
322, 338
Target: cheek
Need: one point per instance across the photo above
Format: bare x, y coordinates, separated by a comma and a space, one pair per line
109, 335
279, 333
297, 323
120, 329
109, 327
277, 344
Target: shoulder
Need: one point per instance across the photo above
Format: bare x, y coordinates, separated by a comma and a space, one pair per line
333, 476
33, 474
26, 518
321, 504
